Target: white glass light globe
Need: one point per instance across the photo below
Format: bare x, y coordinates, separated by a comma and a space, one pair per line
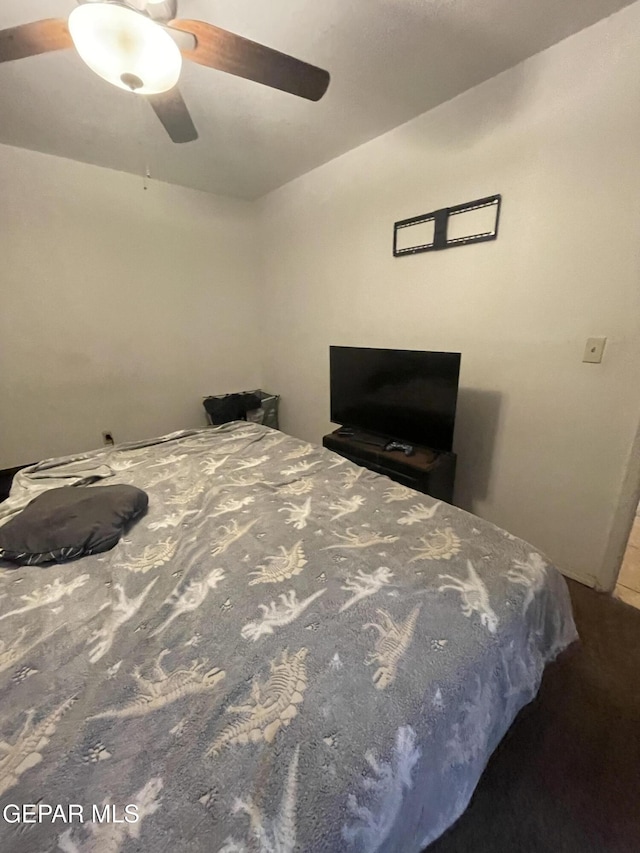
125, 48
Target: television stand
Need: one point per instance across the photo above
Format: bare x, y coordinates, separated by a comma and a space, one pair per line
429, 471
361, 437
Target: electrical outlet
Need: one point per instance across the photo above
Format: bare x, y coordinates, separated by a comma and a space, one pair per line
107, 438
593, 350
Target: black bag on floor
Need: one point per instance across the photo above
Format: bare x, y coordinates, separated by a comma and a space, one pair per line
230, 407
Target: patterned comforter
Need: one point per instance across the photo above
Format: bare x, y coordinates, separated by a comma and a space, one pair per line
287, 653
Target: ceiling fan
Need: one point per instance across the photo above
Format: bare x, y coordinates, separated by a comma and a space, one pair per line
138, 45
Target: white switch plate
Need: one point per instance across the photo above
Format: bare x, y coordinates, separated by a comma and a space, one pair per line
593, 350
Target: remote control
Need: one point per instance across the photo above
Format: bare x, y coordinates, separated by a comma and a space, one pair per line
400, 445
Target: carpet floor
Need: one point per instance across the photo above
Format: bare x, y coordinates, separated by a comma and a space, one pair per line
566, 778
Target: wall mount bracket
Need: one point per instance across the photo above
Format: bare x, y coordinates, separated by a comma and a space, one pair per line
473, 222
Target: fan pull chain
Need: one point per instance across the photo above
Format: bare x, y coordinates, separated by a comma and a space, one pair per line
143, 143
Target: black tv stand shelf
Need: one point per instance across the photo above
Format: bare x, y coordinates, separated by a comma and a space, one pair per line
431, 472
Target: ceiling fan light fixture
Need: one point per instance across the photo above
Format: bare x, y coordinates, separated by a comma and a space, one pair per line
122, 46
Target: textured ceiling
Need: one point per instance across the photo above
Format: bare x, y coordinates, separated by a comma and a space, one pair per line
390, 60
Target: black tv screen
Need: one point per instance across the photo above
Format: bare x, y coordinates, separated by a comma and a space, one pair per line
404, 394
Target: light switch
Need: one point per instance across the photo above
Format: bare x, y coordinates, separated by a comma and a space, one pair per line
593, 350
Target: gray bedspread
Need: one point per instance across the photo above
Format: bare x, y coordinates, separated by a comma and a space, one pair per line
287, 653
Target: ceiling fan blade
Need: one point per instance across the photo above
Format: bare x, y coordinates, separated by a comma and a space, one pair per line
234, 54
35, 38
174, 115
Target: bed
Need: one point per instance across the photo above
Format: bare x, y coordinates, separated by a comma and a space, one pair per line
287, 653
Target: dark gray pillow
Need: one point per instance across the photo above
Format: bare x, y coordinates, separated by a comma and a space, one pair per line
74, 521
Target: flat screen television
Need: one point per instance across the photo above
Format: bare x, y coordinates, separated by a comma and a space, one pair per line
403, 394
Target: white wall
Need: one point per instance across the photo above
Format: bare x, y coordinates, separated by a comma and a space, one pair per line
542, 439
119, 308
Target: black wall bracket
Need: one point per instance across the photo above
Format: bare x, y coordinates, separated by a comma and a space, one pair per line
473, 222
